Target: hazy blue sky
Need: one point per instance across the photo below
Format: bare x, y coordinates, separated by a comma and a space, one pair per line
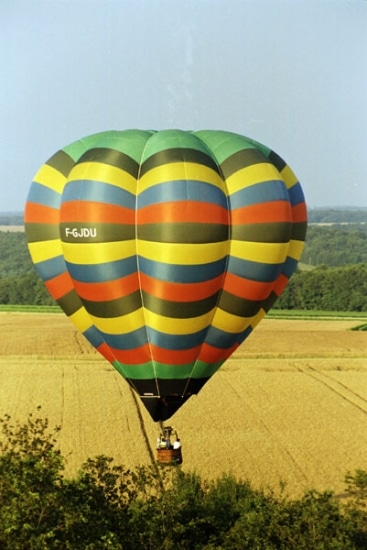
291, 74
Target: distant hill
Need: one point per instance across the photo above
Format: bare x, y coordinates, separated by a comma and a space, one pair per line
337, 215
11, 219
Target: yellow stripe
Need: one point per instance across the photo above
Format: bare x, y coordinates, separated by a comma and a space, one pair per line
171, 325
120, 325
233, 323
295, 249
143, 317
289, 177
51, 178
98, 253
81, 319
45, 250
251, 175
185, 254
98, 171
180, 171
266, 253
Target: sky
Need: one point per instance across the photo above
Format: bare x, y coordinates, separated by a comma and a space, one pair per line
291, 74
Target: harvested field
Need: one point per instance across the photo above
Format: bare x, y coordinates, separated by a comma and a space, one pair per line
290, 405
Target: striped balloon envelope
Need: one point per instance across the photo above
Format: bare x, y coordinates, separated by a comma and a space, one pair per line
165, 249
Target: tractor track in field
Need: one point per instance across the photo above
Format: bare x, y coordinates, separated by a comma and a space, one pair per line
336, 387
146, 439
277, 440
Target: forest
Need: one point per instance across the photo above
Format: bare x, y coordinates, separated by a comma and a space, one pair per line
109, 506
331, 275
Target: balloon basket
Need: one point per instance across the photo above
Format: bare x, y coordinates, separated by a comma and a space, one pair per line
169, 452
169, 457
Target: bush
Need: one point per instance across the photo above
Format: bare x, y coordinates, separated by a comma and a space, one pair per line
108, 506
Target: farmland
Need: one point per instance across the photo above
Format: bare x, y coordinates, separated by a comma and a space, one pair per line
290, 405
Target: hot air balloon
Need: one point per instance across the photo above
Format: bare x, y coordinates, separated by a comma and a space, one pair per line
165, 249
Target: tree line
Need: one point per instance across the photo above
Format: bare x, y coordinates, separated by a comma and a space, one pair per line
107, 506
332, 273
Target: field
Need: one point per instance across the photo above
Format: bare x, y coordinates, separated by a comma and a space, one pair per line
290, 405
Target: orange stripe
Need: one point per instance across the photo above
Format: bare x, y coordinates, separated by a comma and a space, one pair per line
246, 288
108, 290
180, 292
89, 211
265, 212
134, 356
299, 212
174, 357
107, 353
59, 285
38, 213
280, 284
183, 211
147, 353
211, 354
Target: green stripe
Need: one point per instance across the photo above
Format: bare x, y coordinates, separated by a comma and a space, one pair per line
182, 372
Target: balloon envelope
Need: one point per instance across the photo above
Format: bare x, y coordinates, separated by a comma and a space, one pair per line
165, 248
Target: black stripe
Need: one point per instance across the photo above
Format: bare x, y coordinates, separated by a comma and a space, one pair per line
70, 302
268, 303
62, 162
112, 158
177, 154
195, 233
276, 232
299, 230
241, 159
277, 161
235, 305
87, 232
179, 310
114, 308
37, 232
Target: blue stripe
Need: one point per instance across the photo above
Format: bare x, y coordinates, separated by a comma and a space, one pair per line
93, 335
182, 190
219, 338
49, 269
100, 273
224, 340
176, 341
40, 194
128, 341
98, 191
242, 337
296, 194
141, 336
182, 273
267, 191
289, 267
256, 271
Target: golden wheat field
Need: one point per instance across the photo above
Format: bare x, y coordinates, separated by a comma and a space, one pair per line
290, 405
